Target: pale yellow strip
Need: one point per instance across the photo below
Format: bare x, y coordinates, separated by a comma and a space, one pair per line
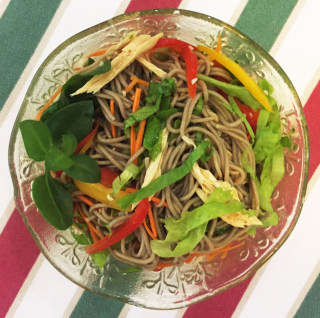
3, 6
73, 302
304, 291
6, 215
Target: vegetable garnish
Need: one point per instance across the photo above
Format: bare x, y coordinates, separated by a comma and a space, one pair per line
240, 74
100, 193
135, 108
187, 53
113, 128
129, 226
166, 179
153, 199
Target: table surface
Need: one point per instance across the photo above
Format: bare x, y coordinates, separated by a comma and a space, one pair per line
287, 285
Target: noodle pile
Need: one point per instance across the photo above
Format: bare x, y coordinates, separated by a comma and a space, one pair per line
225, 131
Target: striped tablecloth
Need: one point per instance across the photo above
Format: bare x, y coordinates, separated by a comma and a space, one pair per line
288, 285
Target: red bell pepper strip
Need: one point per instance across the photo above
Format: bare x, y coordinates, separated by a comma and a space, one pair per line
123, 230
107, 177
251, 115
87, 138
188, 55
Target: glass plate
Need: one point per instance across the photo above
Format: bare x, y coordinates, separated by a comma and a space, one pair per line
171, 287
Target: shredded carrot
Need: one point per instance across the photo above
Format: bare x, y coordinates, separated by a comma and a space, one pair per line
224, 251
131, 85
93, 231
148, 230
135, 107
152, 223
53, 97
160, 266
139, 139
153, 199
97, 53
77, 68
85, 200
113, 128
218, 48
139, 80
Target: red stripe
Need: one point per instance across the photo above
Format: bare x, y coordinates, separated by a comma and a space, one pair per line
18, 254
311, 110
221, 305
136, 5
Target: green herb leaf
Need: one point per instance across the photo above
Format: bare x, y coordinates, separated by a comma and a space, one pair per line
127, 175
69, 144
151, 135
233, 90
57, 160
53, 201
139, 115
84, 168
100, 258
164, 114
75, 119
101, 69
90, 61
166, 179
82, 239
37, 139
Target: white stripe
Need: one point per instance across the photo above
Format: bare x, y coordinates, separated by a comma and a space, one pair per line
48, 295
290, 268
300, 50
73, 302
6, 215
135, 312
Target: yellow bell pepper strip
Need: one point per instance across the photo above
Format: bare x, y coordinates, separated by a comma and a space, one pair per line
101, 193
240, 74
123, 230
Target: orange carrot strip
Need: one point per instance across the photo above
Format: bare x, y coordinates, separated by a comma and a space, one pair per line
131, 85
113, 128
85, 200
53, 97
152, 223
139, 140
148, 230
97, 53
218, 48
160, 266
77, 68
87, 145
132, 140
135, 107
139, 80
223, 251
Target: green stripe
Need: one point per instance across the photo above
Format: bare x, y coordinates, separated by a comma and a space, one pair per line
94, 306
311, 304
263, 20
21, 28
264, 29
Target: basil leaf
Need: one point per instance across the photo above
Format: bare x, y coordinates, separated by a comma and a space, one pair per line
69, 144
53, 201
57, 160
139, 115
37, 139
100, 258
90, 61
151, 135
165, 180
50, 111
82, 239
75, 119
233, 90
84, 168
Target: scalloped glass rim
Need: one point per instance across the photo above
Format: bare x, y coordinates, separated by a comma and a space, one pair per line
264, 56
